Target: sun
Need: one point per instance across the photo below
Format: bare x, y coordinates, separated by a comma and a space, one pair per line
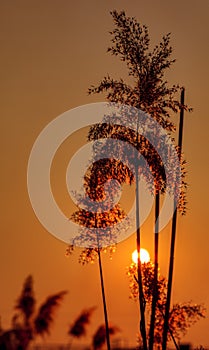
144, 256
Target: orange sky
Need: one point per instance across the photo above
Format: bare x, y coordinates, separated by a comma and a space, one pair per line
51, 52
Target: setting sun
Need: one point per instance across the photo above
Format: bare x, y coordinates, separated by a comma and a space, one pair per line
144, 256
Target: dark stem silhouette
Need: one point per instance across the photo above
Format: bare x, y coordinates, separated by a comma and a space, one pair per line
139, 272
155, 282
103, 292
104, 301
173, 235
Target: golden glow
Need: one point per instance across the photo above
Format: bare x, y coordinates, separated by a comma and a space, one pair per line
144, 256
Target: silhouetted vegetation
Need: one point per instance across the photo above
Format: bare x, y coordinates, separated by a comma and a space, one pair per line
99, 338
78, 328
27, 324
148, 91
182, 315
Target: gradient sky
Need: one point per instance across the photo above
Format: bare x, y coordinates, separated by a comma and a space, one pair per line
51, 52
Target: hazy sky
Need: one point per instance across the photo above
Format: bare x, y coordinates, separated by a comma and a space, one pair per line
51, 52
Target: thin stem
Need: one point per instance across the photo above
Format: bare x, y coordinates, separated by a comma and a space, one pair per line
104, 301
141, 293
155, 286
142, 302
103, 292
173, 236
171, 333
